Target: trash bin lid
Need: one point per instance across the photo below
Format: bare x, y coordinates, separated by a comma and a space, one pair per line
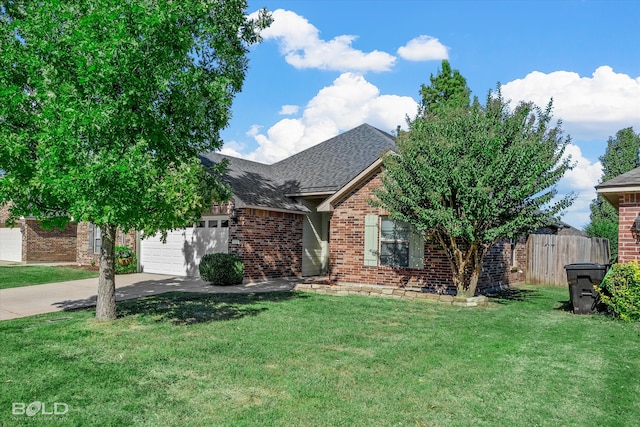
584, 266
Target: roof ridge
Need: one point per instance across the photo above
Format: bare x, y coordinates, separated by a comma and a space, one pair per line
331, 140
242, 159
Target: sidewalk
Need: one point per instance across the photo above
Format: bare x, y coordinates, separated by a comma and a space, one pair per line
30, 300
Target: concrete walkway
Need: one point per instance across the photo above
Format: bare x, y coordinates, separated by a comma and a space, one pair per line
37, 299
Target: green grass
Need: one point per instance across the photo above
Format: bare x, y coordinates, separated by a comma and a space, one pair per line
295, 359
27, 275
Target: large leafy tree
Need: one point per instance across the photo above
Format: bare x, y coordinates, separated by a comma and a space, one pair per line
105, 106
622, 155
469, 177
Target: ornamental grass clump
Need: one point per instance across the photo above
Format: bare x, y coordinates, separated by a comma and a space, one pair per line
620, 291
221, 269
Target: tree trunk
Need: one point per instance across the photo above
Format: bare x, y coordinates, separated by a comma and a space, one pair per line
478, 258
458, 262
473, 280
458, 281
106, 304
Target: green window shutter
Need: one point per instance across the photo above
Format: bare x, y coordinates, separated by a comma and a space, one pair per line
371, 240
416, 250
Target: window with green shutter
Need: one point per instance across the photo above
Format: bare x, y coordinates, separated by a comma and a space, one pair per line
392, 243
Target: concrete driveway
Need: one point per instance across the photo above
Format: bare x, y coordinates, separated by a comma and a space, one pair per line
37, 299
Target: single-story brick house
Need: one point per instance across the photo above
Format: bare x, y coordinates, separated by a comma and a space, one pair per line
28, 242
307, 215
623, 192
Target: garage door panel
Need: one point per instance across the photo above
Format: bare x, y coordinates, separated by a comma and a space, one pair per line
207, 240
183, 250
11, 244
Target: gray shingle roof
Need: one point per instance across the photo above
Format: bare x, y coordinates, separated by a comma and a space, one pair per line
331, 164
325, 167
627, 179
254, 184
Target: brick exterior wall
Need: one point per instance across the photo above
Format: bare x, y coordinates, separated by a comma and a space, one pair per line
346, 259
4, 214
269, 243
86, 256
220, 209
629, 208
40, 245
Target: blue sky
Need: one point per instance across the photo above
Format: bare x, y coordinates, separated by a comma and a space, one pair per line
326, 66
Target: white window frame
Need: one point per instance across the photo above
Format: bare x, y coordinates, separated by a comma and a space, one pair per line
400, 239
97, 239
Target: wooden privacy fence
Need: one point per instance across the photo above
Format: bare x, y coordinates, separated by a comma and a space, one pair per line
547, 254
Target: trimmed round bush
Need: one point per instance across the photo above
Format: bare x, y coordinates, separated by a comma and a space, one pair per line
221, 269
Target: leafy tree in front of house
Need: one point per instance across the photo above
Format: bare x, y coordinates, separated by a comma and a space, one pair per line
622, 155
469, 177
105, 106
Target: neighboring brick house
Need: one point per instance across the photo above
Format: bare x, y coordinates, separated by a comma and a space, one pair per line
89, 239
29, 242
623, 192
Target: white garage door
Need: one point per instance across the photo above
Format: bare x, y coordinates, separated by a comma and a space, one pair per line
181, 254
10, 244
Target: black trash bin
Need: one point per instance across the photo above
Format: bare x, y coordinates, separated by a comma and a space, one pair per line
581, 277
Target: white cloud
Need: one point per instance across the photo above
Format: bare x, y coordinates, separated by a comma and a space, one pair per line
232, 148
302, 46
578, 215
423, 48
288, 110
349, 102
277, 143
581, 180
590, 107
585, 175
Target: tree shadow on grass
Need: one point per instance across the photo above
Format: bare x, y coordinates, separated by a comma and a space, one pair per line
185, 308
510, 295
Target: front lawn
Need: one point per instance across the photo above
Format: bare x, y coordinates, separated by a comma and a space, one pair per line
27, 275
296, 359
